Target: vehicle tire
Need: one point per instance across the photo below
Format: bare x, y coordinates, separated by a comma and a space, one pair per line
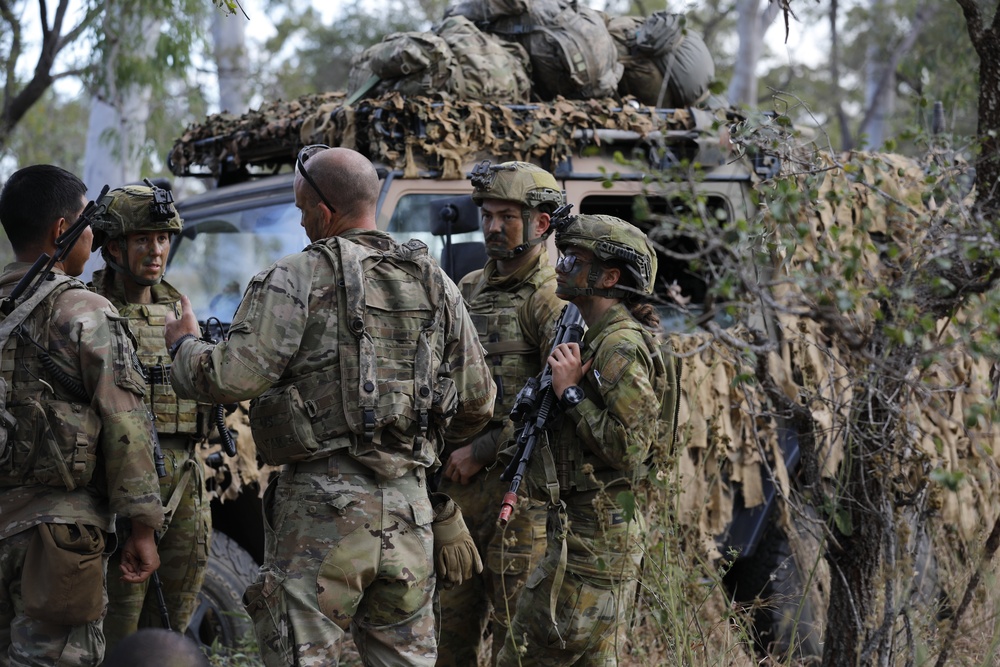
771, 587
220, 616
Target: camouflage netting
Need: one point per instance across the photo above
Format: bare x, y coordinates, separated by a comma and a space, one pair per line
414, 134
947, 421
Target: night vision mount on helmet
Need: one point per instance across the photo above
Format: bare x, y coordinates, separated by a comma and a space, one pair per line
131, 209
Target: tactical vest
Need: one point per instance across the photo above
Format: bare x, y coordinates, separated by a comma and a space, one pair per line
571, 457
381, 396
173, 415
512, 357
50, 439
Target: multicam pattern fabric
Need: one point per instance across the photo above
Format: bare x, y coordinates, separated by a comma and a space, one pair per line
347, 550
184, 546
27, 641
515, 316
345, 553
593, 601
598, 447
90, 344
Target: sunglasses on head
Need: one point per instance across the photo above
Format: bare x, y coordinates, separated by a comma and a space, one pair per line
300, 166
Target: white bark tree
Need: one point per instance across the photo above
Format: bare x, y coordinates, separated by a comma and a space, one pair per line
229, 46
752, 25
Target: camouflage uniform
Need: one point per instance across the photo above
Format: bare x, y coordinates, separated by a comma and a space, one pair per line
181, 424
90, 346
514, 315
575, 605
348, 537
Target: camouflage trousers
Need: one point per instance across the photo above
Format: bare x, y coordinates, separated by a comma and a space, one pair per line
595, 587
509, 555
183, 550
27, 641
345, 550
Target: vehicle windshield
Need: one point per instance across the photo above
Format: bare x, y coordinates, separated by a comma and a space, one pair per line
213, 261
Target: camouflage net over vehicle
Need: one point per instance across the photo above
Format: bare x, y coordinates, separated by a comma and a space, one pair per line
419, 134
728, 441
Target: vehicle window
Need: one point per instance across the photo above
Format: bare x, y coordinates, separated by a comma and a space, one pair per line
214, 259
412, 220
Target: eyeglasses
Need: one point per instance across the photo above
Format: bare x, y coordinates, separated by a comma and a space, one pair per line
300, 166
566, 263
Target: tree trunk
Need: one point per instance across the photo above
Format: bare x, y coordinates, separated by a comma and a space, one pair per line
229, 40
743, 85
862, 553
880, 87
116, 134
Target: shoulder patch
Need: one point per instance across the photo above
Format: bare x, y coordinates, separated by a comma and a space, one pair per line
613, 370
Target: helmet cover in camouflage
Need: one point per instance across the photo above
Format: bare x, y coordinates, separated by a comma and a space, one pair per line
135, 208
522, 182
612, 240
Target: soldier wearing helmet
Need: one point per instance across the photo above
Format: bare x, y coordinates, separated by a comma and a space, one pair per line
134, 235
513, 304
611, 388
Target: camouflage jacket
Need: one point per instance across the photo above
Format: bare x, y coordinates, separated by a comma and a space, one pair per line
515, 315
173, 415
286, 328
89, 342
613, 428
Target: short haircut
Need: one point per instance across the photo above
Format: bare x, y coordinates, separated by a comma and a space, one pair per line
35, 197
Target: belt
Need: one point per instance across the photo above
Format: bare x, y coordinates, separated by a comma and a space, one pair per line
343, 464
333, 465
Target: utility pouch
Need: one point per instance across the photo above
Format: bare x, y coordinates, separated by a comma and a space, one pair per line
63, 575
282, 427
55, 445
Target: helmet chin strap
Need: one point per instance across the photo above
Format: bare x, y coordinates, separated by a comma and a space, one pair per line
125, 271
526, 242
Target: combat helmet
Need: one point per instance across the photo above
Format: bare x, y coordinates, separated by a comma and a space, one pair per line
614, 242
521, 182
130, 209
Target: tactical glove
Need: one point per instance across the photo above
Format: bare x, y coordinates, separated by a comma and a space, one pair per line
455, 554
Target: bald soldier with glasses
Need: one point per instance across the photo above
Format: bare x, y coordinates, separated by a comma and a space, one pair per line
359, 356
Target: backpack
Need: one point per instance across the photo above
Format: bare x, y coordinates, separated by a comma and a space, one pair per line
572, 54
665, 65
456, 59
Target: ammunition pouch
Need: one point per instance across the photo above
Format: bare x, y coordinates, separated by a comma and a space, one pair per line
282, 427
54, 444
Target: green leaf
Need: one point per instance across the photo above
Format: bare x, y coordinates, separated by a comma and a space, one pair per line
626, 500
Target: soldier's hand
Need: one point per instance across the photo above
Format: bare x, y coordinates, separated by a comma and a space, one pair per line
139, 556
567, 366
456, 558
187, 324
462, 465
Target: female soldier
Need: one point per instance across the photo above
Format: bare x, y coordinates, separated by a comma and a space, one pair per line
610, 388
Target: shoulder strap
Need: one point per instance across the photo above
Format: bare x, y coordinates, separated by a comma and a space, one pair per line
58, 283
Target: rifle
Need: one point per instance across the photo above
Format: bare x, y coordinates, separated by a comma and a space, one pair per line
42, 267
533, 407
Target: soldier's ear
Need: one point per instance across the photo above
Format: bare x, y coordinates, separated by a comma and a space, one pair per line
610, 277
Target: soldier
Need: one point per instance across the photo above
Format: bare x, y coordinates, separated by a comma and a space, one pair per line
75, 444
134, 235
610, 387
361, 353
514, 306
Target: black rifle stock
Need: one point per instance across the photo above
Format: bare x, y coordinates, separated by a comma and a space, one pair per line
42, 267
535, 408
